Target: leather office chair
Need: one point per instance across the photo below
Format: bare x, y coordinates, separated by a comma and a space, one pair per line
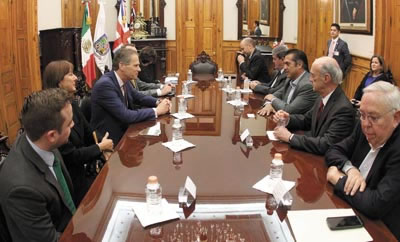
203, 65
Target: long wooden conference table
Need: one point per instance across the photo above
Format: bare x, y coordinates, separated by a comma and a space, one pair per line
223, 169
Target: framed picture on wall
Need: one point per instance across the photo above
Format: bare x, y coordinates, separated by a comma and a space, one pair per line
354, 16
264, 12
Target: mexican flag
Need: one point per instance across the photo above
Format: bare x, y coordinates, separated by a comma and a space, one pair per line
88, 64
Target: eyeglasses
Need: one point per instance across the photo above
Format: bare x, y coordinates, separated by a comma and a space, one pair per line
372, 118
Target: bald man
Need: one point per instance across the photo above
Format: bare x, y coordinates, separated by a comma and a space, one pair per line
251, 63
330, 120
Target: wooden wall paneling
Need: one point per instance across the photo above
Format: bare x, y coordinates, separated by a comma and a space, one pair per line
229, 49
382, 30
207, 26
394, 58
359, 68
171, 57
9, 94
72, 13
274, 18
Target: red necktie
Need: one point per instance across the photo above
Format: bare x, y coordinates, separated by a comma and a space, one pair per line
320, 109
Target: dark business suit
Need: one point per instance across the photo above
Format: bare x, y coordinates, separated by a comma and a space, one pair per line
31, 198
341, 54
381, 198
110, 113
359, 92
255, 68
265, 88
302, 100
78, 151
335, 123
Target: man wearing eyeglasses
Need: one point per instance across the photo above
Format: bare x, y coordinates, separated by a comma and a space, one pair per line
365, 167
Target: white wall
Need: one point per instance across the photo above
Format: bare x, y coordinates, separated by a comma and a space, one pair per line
230, 20
362, 45
290, 22
49, 14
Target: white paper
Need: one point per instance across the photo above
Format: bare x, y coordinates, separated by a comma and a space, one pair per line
146, 218
246, 91
310, 226
221, 79
244, 135
187, 96
190, 187
271, 135
191, 82
178, 145
154, 130
279, 190
237, 103
251, 115
228, 91
267, 185
182, 115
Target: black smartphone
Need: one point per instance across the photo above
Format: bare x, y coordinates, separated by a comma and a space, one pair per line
345, 222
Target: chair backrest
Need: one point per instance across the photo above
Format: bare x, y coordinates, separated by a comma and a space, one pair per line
86, 108
203, 65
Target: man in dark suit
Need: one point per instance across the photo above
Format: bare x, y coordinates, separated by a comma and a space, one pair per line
330, 120
35, 187
278, 57
364, 168
296, 95
113, 98
338, 49
251, 63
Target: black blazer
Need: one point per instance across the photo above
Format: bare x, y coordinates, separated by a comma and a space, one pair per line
335, 124
30, 196
109, 111
359, 92
381, 198
342, 55
255, 68
78, 151
267, 88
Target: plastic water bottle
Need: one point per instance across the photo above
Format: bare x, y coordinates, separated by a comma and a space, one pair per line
246, 84
238, 95
228, 84
176, 130
276, 169
153, 196
189, 75
249, 141
185, 89
220, 74
182, 105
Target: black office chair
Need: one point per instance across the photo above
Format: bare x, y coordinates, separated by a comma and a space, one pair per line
203, 65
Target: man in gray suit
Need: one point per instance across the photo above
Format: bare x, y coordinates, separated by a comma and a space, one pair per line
35, 187
296, 95
329, 121
278, 57
150, 89
338, 49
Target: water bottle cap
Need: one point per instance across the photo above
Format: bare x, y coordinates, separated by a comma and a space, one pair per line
190, 71
152, 180
278, 156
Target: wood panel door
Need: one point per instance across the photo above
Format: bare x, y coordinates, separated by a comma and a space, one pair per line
198, 29
8, 91
394, 58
